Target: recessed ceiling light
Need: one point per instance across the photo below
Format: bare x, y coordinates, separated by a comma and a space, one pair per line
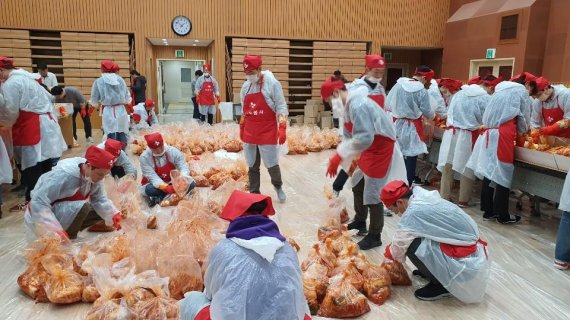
194, 44
163, 39
196, 40
166, 44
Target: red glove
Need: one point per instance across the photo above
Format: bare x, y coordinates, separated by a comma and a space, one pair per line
90, 110
551, 130
334, 162
117, 218
63, 235
169, 189
218, 99
83, 112
282, 132
388, 252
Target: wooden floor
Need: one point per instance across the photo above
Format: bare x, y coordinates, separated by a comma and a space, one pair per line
523, 283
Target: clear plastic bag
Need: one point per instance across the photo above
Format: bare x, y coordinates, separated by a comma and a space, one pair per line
322, 255
158, 308
315, 283
343, 300
376, 284
348, 268
398, 274
184, 273
63, 285
115, 309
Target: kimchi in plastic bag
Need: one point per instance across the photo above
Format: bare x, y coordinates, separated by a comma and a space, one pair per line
343, 300
63, 285
184, 274
398, 274
376, 284
315, 283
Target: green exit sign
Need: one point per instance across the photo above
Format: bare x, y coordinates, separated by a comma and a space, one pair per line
490, 54
179, 53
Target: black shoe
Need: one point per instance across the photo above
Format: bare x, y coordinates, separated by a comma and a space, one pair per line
432, 292
418, 181
153, 201
490, 217
358, 225
512, 219
18, 188
370, 241
418, 273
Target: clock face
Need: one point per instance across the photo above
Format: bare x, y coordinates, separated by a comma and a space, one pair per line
181, 25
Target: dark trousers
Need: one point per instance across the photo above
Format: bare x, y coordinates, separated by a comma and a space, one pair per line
117, 172
335, 122
411, 163
411, 254
495, 201
340, 180
255, 177
31, 175
158, 194
196, 113
376, 210
86, 123
119, 136
86, 217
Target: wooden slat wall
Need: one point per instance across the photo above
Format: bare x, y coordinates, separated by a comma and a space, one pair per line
16, 45
412, 23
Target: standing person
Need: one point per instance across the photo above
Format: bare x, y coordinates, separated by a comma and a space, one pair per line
207, 94
409, 100
551, 111
72, 197
47, 78
529, 81
562, 249
263, 126
146, 112
464, 118
5, 161
441, 240
371, 139
196, 114
448, 88
110, 91
73, 96
138, 86
122, 165
506, 114
36, 135
156, 163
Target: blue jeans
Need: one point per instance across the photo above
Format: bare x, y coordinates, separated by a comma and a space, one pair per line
562, 250
119, 136
410, 163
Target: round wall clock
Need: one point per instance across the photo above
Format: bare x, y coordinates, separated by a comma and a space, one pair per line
181, 25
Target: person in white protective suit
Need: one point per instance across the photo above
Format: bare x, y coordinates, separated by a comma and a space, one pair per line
36, 135
157, 161
111, 92
122, 165
441, 240
550, 115
448, 88
464, 119
437, 100
370, 142
254, 273
146, 112
408, 101
492, 159
562, 249
263, 126
72, 197
207, 94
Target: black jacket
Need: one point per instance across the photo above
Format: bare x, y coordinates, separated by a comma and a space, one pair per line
139, 88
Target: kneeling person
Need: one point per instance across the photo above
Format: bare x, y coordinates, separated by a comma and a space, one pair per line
71, 197
441, 240
122, 165
156, 163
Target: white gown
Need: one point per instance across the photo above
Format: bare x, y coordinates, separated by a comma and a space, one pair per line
141, 110
110, 90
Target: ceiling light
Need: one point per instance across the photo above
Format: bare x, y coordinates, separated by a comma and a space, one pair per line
163, 39
194, 44
196, 40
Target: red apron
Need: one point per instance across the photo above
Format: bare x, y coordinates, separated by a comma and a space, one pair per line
551, 116
375, 161
26, 130
207, 94
78, 196
474, 134
378, 98
163, 172
507, 138
260, 122
417, 123
204, 314
461, 251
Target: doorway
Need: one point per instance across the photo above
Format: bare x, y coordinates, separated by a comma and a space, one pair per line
497, 67
174, 81
394, 72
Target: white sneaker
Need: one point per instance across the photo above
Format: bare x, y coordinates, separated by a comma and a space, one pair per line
561, 265
281, 194
90, 140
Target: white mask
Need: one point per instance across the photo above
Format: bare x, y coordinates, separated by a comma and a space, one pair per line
374, 80
159, 154
337, 105
251, 77
206, 74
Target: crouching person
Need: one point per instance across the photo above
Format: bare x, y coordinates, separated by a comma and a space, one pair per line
71, 197
252, 274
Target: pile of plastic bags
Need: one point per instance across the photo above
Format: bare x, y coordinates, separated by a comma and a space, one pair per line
302, 140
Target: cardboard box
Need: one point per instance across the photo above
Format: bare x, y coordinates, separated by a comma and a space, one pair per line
326, 122
310, 120
325, 113
311, 111
297, 119
237, 99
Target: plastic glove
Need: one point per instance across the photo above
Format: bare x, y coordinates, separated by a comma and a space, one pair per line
282, 132
117, 218
551, 130
63, 235
388, 252
521, 139
163, 186
169, 189
334, 162
83, 112
218, 99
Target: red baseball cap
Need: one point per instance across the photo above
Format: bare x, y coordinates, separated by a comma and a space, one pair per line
154, 140
136, 117
251, 63
541, 83
6, 62
392, 192
474, 80
149, 103
99, 158
207, 67
451, 84
114, 147
374, 61
427, 74
240, 201
107, 66
328, 87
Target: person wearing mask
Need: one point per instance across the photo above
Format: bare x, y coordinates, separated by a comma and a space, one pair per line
370, 138
72, 197
146, 112
448, 88
492, 160
122, 165
110, 91
263, 126
73, 96
253, 258
196, 114
47, 78
375, 69
441, 240
207, 94
157, 161
409, 101
551, 111
138, 86
464, 118
36, 135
